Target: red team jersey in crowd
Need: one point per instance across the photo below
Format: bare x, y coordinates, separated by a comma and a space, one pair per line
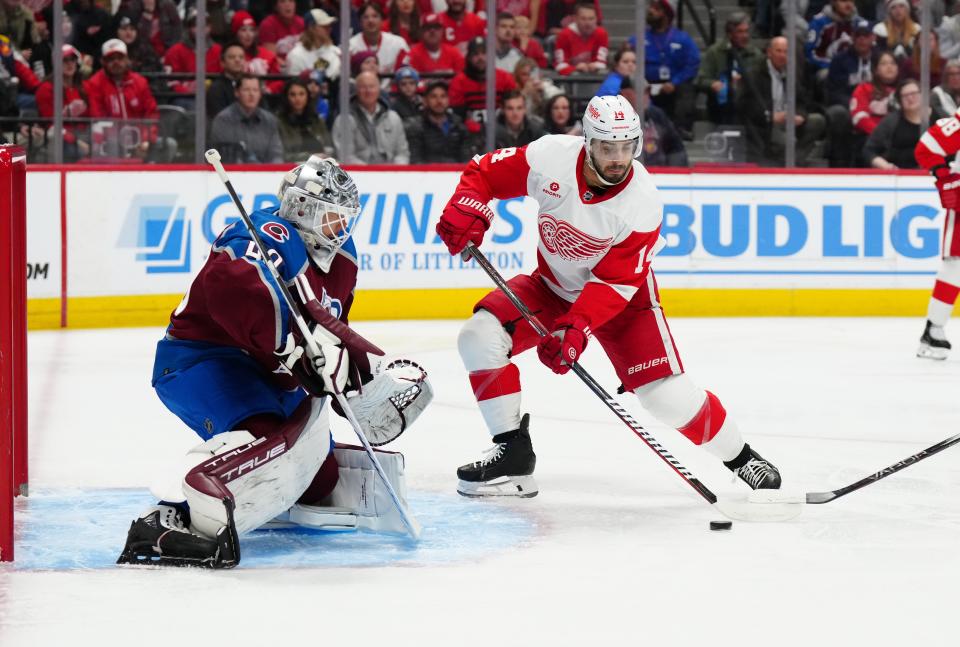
457, 33
593, 252
936, 151
471, 94
573, 49
129, 99
181, 59
866, 110
448, 59
284, 35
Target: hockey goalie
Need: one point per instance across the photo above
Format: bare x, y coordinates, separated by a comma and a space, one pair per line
235, 370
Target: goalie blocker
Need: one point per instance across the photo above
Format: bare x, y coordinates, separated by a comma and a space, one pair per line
237, 481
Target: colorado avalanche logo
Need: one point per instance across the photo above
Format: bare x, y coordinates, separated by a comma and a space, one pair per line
276, 231
569, 243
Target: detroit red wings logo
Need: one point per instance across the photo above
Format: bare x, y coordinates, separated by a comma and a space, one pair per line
568, 242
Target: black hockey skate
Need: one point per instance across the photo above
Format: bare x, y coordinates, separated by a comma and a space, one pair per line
754, 470
161, 538
933, 343
505, 470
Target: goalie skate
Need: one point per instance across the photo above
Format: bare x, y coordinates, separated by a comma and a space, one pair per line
933, 343
505, 470
161, 537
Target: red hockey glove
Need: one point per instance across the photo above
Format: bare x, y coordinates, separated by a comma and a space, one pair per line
948, 184
465, 219
565, 345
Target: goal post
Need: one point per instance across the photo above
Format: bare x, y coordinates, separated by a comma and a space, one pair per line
13, 339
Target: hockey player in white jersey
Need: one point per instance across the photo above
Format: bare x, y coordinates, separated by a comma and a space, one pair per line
599, 222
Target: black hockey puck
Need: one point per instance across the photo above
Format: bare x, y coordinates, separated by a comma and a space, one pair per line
721, 525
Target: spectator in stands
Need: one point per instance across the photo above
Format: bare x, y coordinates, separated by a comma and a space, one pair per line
17, 24
315, 50
621, 76
143, 58
671, 63
432, 54
244, 132
514, 127
302, 132
118, 93
556, 15
437, 135
535, 89
404, 20
559, 118
507, 55
260, 61
910, 66
158, 21
870, 101
281, 30
389, 47
662, 143
319, 90
73, 106
949, 32
529, 46
460, 26
375, 131
406, 101
91, 27
364, 61
898, 32
848, 69
40, 57
722, 68
468, 89
222, 90
945, 98
831, 32
17, 81
890, 145
181, 59
763, 108
582, 46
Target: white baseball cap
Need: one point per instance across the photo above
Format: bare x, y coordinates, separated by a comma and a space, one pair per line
113, 46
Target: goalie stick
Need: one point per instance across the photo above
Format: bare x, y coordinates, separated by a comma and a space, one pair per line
768, 510
826, 497
213, 157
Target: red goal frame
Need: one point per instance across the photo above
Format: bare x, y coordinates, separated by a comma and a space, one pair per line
13, 339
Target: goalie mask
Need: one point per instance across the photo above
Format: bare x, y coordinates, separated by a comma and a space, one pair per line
320, 200
612, 137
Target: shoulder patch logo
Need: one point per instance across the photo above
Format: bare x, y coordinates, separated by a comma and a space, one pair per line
554, 187
568, 242
276, 231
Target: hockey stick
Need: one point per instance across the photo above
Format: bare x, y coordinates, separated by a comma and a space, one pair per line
826, 497
213, 157
598, 390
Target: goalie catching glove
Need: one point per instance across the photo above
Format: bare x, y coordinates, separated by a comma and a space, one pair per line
392, 401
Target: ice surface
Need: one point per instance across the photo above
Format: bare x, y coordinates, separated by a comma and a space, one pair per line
615, 550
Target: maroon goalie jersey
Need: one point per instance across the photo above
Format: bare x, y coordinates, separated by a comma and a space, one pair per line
234, 300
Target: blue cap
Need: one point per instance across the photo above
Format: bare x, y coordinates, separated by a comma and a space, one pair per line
406, 72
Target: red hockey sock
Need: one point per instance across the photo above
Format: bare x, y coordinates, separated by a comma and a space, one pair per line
945, 292
496, 382
708, 421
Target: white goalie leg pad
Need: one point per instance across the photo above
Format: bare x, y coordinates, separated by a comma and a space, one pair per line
262, 476
391, 402
360, 491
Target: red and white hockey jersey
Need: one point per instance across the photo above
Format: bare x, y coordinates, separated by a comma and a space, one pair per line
594, 248
938, 146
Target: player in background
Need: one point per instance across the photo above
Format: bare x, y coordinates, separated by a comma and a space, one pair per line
599, 222
936, 151
233, 367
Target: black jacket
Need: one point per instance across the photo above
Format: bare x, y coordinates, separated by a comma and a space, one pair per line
429, 144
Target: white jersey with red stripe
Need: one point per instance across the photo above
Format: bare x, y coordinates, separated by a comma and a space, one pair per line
938, 146
594, 247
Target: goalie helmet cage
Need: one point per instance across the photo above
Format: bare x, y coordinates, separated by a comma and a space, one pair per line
13, 339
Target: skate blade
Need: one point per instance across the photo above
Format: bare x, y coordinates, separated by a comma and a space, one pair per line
929, 352
523, 487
